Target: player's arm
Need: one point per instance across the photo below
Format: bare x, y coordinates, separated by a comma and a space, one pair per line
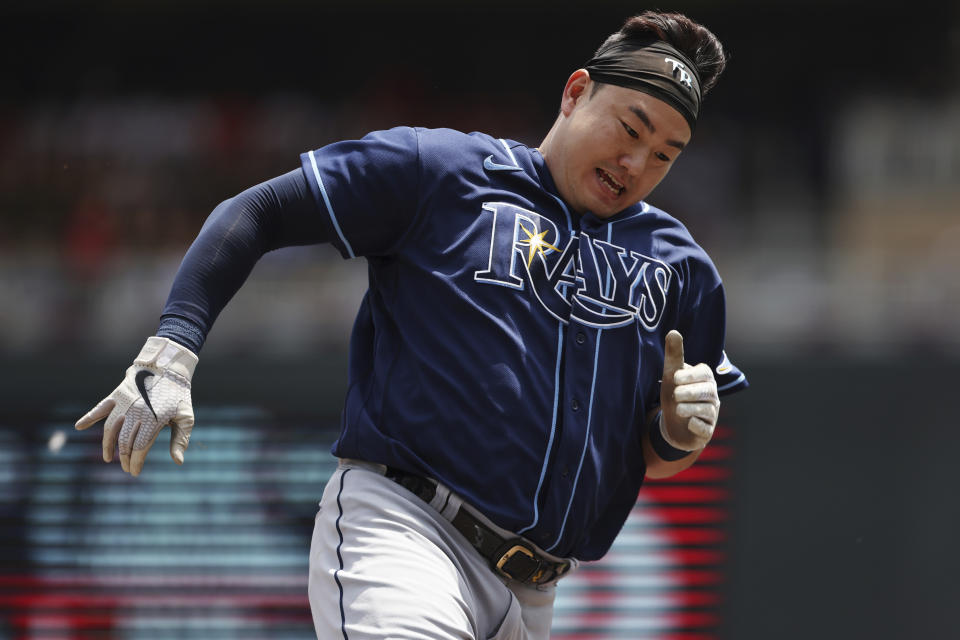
682, 426
156, 389
278, 213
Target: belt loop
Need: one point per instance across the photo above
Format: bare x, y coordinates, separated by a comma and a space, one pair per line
442, 500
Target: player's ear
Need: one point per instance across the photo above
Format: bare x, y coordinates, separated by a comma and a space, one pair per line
574, 91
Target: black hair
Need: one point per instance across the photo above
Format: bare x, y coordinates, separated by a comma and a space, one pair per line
691, 39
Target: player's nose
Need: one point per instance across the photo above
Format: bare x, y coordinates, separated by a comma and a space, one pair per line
634, 161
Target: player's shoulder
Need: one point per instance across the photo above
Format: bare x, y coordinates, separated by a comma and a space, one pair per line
673, 241
446, 136
444, 143
663, 226
470, 156
451, 142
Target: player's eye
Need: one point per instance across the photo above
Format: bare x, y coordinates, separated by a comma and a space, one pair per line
629, 130
662, 156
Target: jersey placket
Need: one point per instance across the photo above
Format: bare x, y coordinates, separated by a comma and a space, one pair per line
581, 369
580, 376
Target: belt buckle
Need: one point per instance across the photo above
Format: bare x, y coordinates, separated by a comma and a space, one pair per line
512, 561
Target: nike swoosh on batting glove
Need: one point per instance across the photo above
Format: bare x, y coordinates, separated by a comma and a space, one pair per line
154, 393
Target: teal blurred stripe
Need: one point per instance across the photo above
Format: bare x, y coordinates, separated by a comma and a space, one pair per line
218, 548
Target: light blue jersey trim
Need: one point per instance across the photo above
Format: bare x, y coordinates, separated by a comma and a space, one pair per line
513, 159
586, 443
556, 381
326, 201
606, 287
553, 430
593, 385
644, 208
742, 377
565, 211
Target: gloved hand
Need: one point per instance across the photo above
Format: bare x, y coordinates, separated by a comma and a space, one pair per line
154, 393
689, 400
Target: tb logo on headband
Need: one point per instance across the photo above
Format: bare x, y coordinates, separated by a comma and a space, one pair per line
680, 73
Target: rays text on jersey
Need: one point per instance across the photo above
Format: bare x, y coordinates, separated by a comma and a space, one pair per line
573, 275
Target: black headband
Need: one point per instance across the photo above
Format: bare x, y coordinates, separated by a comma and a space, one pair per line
654, 68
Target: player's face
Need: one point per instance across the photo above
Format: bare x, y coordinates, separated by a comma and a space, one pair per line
609, 149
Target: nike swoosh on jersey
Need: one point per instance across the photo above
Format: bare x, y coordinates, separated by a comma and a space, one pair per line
490, 165
725, 365
142, 376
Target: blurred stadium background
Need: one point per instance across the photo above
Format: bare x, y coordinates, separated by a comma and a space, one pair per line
824, 179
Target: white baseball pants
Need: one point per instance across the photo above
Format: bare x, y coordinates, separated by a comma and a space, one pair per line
384, 564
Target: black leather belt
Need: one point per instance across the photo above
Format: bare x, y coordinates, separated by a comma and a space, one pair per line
513, 558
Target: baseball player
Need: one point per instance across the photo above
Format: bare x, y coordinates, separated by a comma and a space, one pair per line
505, 400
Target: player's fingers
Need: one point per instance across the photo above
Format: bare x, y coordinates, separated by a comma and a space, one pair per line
698, 373
180, 436
99, 412
139, 454
697, 392
700, 428
127, 436
111, 429
672, 354
706, 411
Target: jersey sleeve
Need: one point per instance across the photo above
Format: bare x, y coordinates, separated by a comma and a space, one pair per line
367, 190
703, 325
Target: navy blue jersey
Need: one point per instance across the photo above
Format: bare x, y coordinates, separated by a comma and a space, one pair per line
507, 346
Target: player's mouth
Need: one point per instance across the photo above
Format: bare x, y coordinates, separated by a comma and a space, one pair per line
611, 183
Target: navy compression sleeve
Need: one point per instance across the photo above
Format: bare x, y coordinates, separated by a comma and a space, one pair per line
278, 213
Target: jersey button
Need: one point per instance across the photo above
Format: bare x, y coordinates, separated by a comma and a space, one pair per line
575, 404
581, 338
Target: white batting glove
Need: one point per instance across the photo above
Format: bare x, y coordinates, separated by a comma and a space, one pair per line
155, 392
689, 400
